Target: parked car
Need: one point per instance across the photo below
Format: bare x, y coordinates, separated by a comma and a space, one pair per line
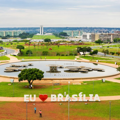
1, 48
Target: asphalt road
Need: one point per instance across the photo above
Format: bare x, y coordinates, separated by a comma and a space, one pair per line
102, 54
7, 51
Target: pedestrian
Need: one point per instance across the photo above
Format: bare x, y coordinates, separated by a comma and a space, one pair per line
40, 112
35, 110
31, 86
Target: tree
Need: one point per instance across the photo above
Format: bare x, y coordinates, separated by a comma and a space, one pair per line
30, 75
63, 34
99, 41
29, 52
45, 53
26, 35
94, 52
20, 47
105, 52
83, 49
1, 41
47, 40
116, 40
118, 68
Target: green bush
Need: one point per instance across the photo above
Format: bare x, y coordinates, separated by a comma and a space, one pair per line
112, 53
71, 54
75, 54
29, 52
58, 54
62, 55
118, 53
45, 53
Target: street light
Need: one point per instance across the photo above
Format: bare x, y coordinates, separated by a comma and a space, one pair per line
12, 81
26, 109
110, 110
68, 99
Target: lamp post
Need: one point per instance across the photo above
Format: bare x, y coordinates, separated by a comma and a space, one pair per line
110, 110
93, 87
68, 99
12, 81
26, 109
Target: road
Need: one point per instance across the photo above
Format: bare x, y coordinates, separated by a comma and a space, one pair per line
7, 51
102, 54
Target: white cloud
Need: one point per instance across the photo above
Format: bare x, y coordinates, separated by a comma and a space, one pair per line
90, 6
79, 13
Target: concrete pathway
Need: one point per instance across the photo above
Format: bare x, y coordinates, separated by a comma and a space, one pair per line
112, 79
12, 58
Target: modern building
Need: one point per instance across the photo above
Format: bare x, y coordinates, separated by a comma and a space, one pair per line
10, 33
117, 32
86, 36
41, 30
104, 36
73, 33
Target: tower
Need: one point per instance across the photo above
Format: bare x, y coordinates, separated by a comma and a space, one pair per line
41, 30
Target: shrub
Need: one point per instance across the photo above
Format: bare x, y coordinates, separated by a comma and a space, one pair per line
14, 40
118, 53
28, 52
75, 54
112, 53
62, 55
71, 54
58, 54
50, 48
45, 53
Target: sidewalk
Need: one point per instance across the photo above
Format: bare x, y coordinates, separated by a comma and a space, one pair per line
12, 59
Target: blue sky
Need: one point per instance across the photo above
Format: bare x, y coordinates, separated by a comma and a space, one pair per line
62, 13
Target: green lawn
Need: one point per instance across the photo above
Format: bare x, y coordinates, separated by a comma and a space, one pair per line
63, 50
45, 36
4, 58
117, 78
47, 57
102, 89
95, 57
1, 51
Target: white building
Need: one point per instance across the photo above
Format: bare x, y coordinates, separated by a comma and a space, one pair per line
41, 30
86, 36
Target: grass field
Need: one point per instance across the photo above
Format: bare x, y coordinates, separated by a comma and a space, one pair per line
102, 89
37, 51
47, 57
95, 58
117, 78
1, 51
55, 111
45, 36
4, 58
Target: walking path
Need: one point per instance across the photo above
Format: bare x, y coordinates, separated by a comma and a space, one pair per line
12, 59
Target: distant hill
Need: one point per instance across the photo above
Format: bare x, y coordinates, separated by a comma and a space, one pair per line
45, 36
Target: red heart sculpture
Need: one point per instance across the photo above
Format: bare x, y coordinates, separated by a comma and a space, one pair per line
43, 97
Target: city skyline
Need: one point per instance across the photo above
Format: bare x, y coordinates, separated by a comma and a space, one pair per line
64, 13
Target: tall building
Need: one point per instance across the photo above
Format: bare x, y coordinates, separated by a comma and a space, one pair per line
104, 36
41, 30
10, 33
